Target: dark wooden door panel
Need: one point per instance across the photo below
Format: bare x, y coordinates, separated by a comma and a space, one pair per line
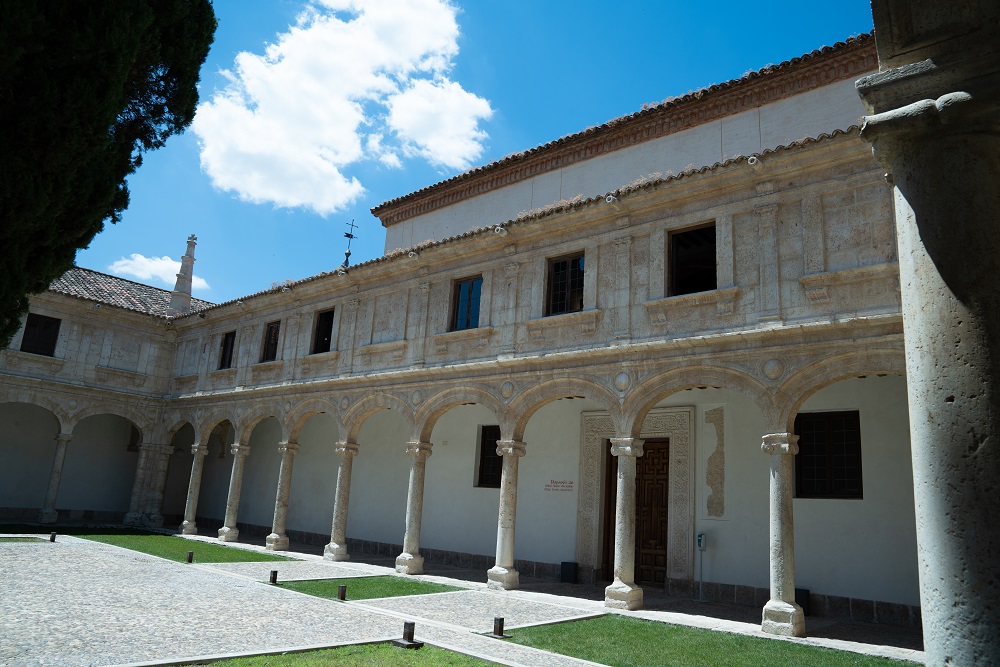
652, 496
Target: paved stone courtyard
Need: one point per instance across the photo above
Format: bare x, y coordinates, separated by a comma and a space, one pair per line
81, 603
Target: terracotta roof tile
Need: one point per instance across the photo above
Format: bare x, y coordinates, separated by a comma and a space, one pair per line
115, 291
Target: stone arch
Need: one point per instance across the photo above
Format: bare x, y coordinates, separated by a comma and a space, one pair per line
645, 396
354, 418
258, 413
809, 379
140, 420
301, 413
435, 407
42, 401
203, 427
176, 425
528, 403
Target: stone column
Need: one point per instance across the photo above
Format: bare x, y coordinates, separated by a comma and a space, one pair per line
278, 540
935, 124
781, 615
410, 561
503, 576
157, 476
198, 451
337, 548
623, 592
229, 532
48, 513
134, 516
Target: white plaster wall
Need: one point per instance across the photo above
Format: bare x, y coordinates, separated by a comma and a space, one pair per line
379, 480
314, 477
864, 548
98, 472
27, 446
215, 480
260, 475
823, 110
458, 516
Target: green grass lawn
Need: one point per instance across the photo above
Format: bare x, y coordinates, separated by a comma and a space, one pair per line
170, 547
368, 655
367, 588
628, 642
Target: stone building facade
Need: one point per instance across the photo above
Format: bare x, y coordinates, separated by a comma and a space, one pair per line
685, 321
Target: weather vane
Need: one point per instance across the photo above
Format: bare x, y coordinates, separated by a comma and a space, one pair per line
350, 237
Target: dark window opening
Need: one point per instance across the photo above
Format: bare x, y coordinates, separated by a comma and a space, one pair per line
828, 464
692, 261
269, 352
40, 334
226, 350
465, 304
323, 335
565, 285
490, 463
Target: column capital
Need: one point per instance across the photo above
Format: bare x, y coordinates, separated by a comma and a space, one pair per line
346, 450
780, 443
289, 446
510, 448
419, 450
239, 450
64, 438
626, 446
199, 449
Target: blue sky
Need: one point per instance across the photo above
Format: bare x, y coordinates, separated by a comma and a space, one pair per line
313, 113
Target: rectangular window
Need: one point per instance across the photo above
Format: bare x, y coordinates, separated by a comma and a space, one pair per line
40, 334
323, 334
269, 351
490, 463
691, 261
828, 464
564, 287
465, 304
226, 350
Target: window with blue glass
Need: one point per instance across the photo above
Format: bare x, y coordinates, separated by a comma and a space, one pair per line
465, 303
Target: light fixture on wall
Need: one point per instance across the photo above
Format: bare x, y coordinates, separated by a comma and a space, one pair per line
413, 254
611, 199
500, 230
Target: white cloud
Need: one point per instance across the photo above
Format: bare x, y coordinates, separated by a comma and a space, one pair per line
352, 81
162, 269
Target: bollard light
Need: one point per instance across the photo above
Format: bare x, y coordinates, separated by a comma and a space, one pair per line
498, 628
274, 577
407, 641
52, 537
342, 592
190, 558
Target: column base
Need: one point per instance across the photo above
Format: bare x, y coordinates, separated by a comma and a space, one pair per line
152, 521
783, 618
620, 595
503, 578
189, 528
48, 516
227, 534
335, 552
132, 519
275, 542
409, 563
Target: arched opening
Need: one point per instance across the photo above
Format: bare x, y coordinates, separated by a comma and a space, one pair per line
178, 476
314, 481
215, 478
260, 481
27, 445
99, 469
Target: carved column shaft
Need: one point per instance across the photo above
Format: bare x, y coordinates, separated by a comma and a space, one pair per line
503, 575
136, 500
337, 548
623, 593
48, 513
410, 561
229, 532
278, 540
159, 465
781, 615
198, 451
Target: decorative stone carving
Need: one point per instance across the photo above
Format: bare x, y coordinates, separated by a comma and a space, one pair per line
715, 474
507, 389
622, 381
416, 397
773, 368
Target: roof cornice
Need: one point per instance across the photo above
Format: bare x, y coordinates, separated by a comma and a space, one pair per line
843, 60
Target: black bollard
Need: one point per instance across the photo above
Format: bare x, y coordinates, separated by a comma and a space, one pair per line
342, 592
190, 556
274, 577
498, 628
52, 537
407, 640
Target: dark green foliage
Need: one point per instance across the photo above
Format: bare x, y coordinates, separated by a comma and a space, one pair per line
85, 89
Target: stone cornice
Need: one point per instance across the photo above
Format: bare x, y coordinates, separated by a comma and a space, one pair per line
846, 60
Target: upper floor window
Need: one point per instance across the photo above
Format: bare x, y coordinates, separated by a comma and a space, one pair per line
269, 350
323, 334
828, 464
226, 350
691, 261
40, 334
465, 303
490, 463
564, 286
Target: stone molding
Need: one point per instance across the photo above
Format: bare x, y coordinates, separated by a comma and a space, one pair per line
817, 285
715, 470
585, 321
724, 300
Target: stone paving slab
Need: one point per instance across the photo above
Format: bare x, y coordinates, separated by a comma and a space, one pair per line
81, 603
292, 570
476, 610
